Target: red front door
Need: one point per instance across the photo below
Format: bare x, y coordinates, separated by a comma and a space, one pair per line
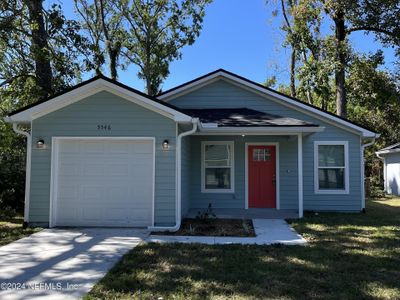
262, 176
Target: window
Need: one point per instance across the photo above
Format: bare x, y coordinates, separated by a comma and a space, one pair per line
261, 154
331, 174
217, 167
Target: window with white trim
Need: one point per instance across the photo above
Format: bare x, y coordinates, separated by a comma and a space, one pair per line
331, 174
217, 167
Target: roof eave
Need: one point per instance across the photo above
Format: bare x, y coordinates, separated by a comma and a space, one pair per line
384, 152
92, 87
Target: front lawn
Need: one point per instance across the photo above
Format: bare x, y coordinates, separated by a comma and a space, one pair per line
349, 256
11, 230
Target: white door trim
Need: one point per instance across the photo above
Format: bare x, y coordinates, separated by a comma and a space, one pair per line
54, 169
276, 144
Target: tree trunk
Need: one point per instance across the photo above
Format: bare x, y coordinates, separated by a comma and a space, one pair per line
39, 46
293, 73
113, 54
340, 34
111, 50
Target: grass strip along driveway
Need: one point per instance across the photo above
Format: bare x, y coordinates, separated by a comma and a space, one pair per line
349, 256
11, 230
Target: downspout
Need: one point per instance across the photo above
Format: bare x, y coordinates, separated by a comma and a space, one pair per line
363, 146
27, 171
178, 184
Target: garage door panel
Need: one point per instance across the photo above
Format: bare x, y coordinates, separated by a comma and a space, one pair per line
104, 183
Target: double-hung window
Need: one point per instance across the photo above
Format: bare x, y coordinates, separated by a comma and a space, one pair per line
331, 172
217, 167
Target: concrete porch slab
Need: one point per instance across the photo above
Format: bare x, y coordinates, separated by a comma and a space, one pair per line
268, 231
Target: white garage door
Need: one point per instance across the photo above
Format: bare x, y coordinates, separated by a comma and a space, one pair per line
103, 182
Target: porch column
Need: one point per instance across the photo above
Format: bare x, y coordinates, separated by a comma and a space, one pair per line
300, 171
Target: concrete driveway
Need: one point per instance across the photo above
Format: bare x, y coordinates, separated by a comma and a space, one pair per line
62, 263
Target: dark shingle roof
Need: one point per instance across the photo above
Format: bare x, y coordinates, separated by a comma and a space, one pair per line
243, 117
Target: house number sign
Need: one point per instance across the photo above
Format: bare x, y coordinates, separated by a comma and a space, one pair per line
104, 127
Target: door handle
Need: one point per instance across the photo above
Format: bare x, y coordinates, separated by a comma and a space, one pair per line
274, 180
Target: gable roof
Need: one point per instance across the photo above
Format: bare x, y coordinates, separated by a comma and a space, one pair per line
244, 117
265, 91
390, 149
90, 87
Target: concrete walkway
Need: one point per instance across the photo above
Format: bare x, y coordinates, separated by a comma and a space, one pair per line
268, 231
62, 263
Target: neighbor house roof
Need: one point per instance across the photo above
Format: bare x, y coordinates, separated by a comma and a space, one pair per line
244, 117
390, 149
271, 94
87, 88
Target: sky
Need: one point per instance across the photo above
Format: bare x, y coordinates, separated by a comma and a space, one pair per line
240, 36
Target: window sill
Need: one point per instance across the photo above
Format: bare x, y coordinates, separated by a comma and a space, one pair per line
217, 191
331, 192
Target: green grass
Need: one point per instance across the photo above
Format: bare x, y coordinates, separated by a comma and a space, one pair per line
349, 256
11, 230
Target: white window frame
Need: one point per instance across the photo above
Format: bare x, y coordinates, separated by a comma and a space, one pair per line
346, 168
203, 167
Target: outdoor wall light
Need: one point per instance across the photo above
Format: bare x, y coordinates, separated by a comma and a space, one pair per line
165, 145
40, 144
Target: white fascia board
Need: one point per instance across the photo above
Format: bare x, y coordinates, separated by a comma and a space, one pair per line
383, 152
90, 89
246, 130
190, 87
272, 96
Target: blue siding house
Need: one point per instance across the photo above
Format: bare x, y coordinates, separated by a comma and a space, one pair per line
104, 154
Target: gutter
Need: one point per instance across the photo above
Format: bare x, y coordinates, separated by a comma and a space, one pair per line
195, 122
27, 171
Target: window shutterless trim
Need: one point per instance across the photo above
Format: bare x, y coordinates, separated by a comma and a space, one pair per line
346, 189
231, 167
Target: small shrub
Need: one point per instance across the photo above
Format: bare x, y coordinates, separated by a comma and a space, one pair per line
246, 226
207, 214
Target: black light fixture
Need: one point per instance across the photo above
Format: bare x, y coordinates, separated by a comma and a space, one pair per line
40, 144
165, 145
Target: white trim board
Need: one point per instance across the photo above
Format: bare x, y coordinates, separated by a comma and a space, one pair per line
346, 168
270, 95
54, 169
89, 89
278, 175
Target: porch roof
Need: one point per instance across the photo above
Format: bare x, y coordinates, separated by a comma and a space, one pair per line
244, 117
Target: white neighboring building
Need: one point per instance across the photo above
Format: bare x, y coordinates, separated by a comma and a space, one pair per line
391, 168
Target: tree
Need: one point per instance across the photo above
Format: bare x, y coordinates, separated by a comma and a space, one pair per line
157, 30
380, 17
322, 55
39, 46
38, 56
102, 24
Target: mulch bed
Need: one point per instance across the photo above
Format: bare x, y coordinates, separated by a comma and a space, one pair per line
214, 227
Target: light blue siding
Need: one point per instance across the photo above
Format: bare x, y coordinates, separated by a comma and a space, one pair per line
222, 94
126, 119
185, 174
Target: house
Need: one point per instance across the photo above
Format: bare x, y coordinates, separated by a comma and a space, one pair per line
391, 168
104, 154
